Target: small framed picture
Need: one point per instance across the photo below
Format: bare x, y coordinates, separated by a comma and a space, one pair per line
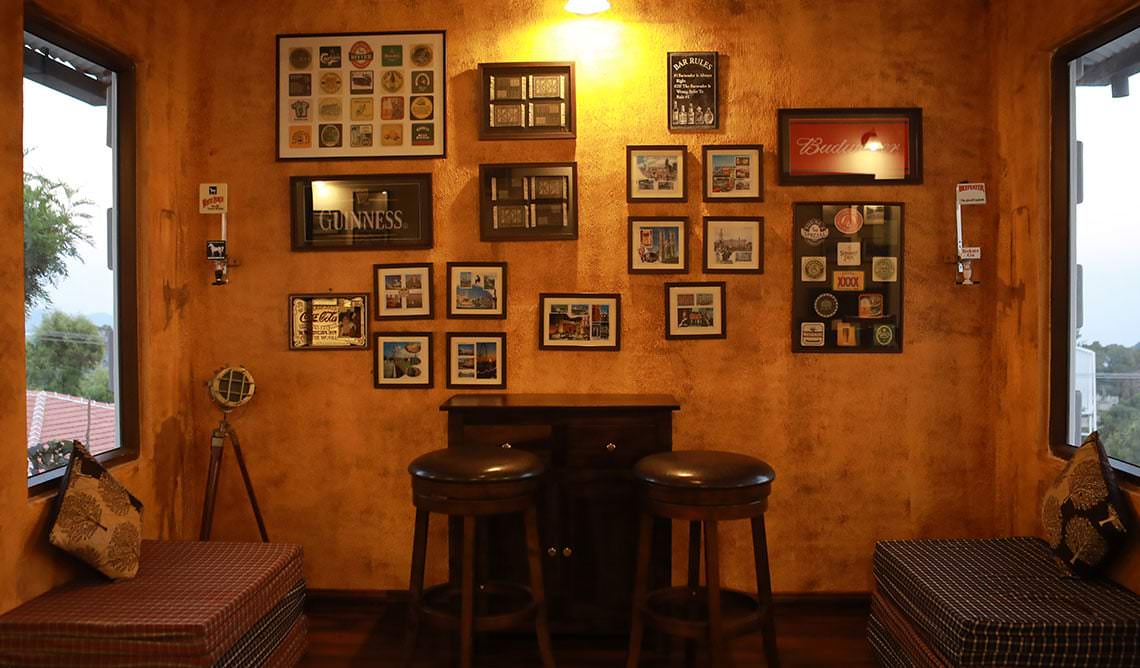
656, 174
477, 360
734, 244
695, 311
402, 291
328, 322
658, 245
569, 321
402, 360
733, 173
477, 290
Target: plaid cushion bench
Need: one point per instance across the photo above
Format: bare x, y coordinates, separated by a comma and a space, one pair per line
192, 604
1000, 602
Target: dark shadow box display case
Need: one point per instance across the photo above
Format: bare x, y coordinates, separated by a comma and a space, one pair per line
527, 101
528, 202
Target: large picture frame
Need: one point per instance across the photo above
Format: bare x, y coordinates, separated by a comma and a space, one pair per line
477, 290
732, 172
477, 360
402, 361
847, 270
403, 291
579, 321
362, 95
695, 310
328, 321
361, 212
528, 201
850, 146
658, 245
733, 245
693, 81
656, 173
534, 100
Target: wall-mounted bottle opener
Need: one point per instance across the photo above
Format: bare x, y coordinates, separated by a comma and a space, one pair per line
967, 194
214, 199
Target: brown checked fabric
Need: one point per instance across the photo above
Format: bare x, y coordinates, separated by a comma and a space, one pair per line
97, 520
1084, 513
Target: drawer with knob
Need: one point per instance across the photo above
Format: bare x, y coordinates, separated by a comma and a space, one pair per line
609, 442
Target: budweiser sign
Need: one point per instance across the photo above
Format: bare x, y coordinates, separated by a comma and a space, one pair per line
842, 144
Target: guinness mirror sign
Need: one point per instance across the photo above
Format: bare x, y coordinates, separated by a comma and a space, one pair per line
376, 211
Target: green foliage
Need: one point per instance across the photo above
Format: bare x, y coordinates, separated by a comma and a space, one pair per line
1120, 425
61, 351
1120, 430
96, 385
52, 234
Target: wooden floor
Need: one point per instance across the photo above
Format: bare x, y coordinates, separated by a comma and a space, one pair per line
811, 633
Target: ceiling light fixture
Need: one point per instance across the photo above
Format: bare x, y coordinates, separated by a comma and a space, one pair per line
587, 7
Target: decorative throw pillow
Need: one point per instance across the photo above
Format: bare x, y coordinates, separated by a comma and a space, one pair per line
1084, 513
97, 520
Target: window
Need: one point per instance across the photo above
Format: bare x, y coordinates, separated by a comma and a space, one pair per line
1096, 236
79, 249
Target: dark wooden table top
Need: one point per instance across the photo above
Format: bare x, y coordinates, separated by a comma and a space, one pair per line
561, 401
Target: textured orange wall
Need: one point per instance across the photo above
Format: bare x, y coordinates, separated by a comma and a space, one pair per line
151, 33
866, 447
1023, 47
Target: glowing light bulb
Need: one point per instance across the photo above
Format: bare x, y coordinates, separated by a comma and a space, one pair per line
871, 141
587, 7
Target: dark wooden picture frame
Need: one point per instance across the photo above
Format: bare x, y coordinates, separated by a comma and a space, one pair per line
865, 122
500, 291
304, 216
501, 337
527, 100
877, 241
293, 318
676, 78
378, 354
380, 293
613, 322
633, 246
380, 151
708, 179
529, 200
722, 333
682, 154
757, 245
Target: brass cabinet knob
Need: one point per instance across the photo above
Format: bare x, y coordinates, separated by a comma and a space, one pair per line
552, 552
506, 446
566, 552
611, 447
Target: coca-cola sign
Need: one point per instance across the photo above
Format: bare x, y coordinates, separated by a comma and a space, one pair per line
844, 146
368, 211
328, 322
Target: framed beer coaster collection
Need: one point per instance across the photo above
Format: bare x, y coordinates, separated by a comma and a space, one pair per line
361, 95
528, 201
402, 360
847, 288
328, 322
850, 146
527, 101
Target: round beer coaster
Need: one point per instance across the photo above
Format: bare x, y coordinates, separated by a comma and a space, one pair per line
392, 80
330, 82
360, 55
826, 305
300, 59
848, 220
421, 55
421, 107
884, 335
815, 269
814, 232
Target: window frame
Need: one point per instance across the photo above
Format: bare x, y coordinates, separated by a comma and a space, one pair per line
124, 104
1061, 289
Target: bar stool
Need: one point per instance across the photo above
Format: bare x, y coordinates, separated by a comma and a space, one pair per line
703, 487
472, 482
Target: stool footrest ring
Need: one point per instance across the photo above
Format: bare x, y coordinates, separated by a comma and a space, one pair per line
498, 605
684, 612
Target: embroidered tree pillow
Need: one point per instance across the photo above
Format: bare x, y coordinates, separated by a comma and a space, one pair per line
97, 520
1084, 513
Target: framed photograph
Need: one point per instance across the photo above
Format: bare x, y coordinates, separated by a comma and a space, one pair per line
733, 173
402, 291
361, 95
328, 322
528, 201
692, 90
402, 360
571, 321
847, 263
734, 245
477, 360
695, 311
656, 174
850, 146
527, 101
373, 212
658, 245
477, 290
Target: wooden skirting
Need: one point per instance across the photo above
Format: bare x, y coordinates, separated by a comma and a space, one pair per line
376, 597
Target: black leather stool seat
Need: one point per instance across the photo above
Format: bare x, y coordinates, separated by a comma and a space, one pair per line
476, 465
703, 469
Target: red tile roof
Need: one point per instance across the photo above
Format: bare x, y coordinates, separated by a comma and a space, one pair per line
54, 417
